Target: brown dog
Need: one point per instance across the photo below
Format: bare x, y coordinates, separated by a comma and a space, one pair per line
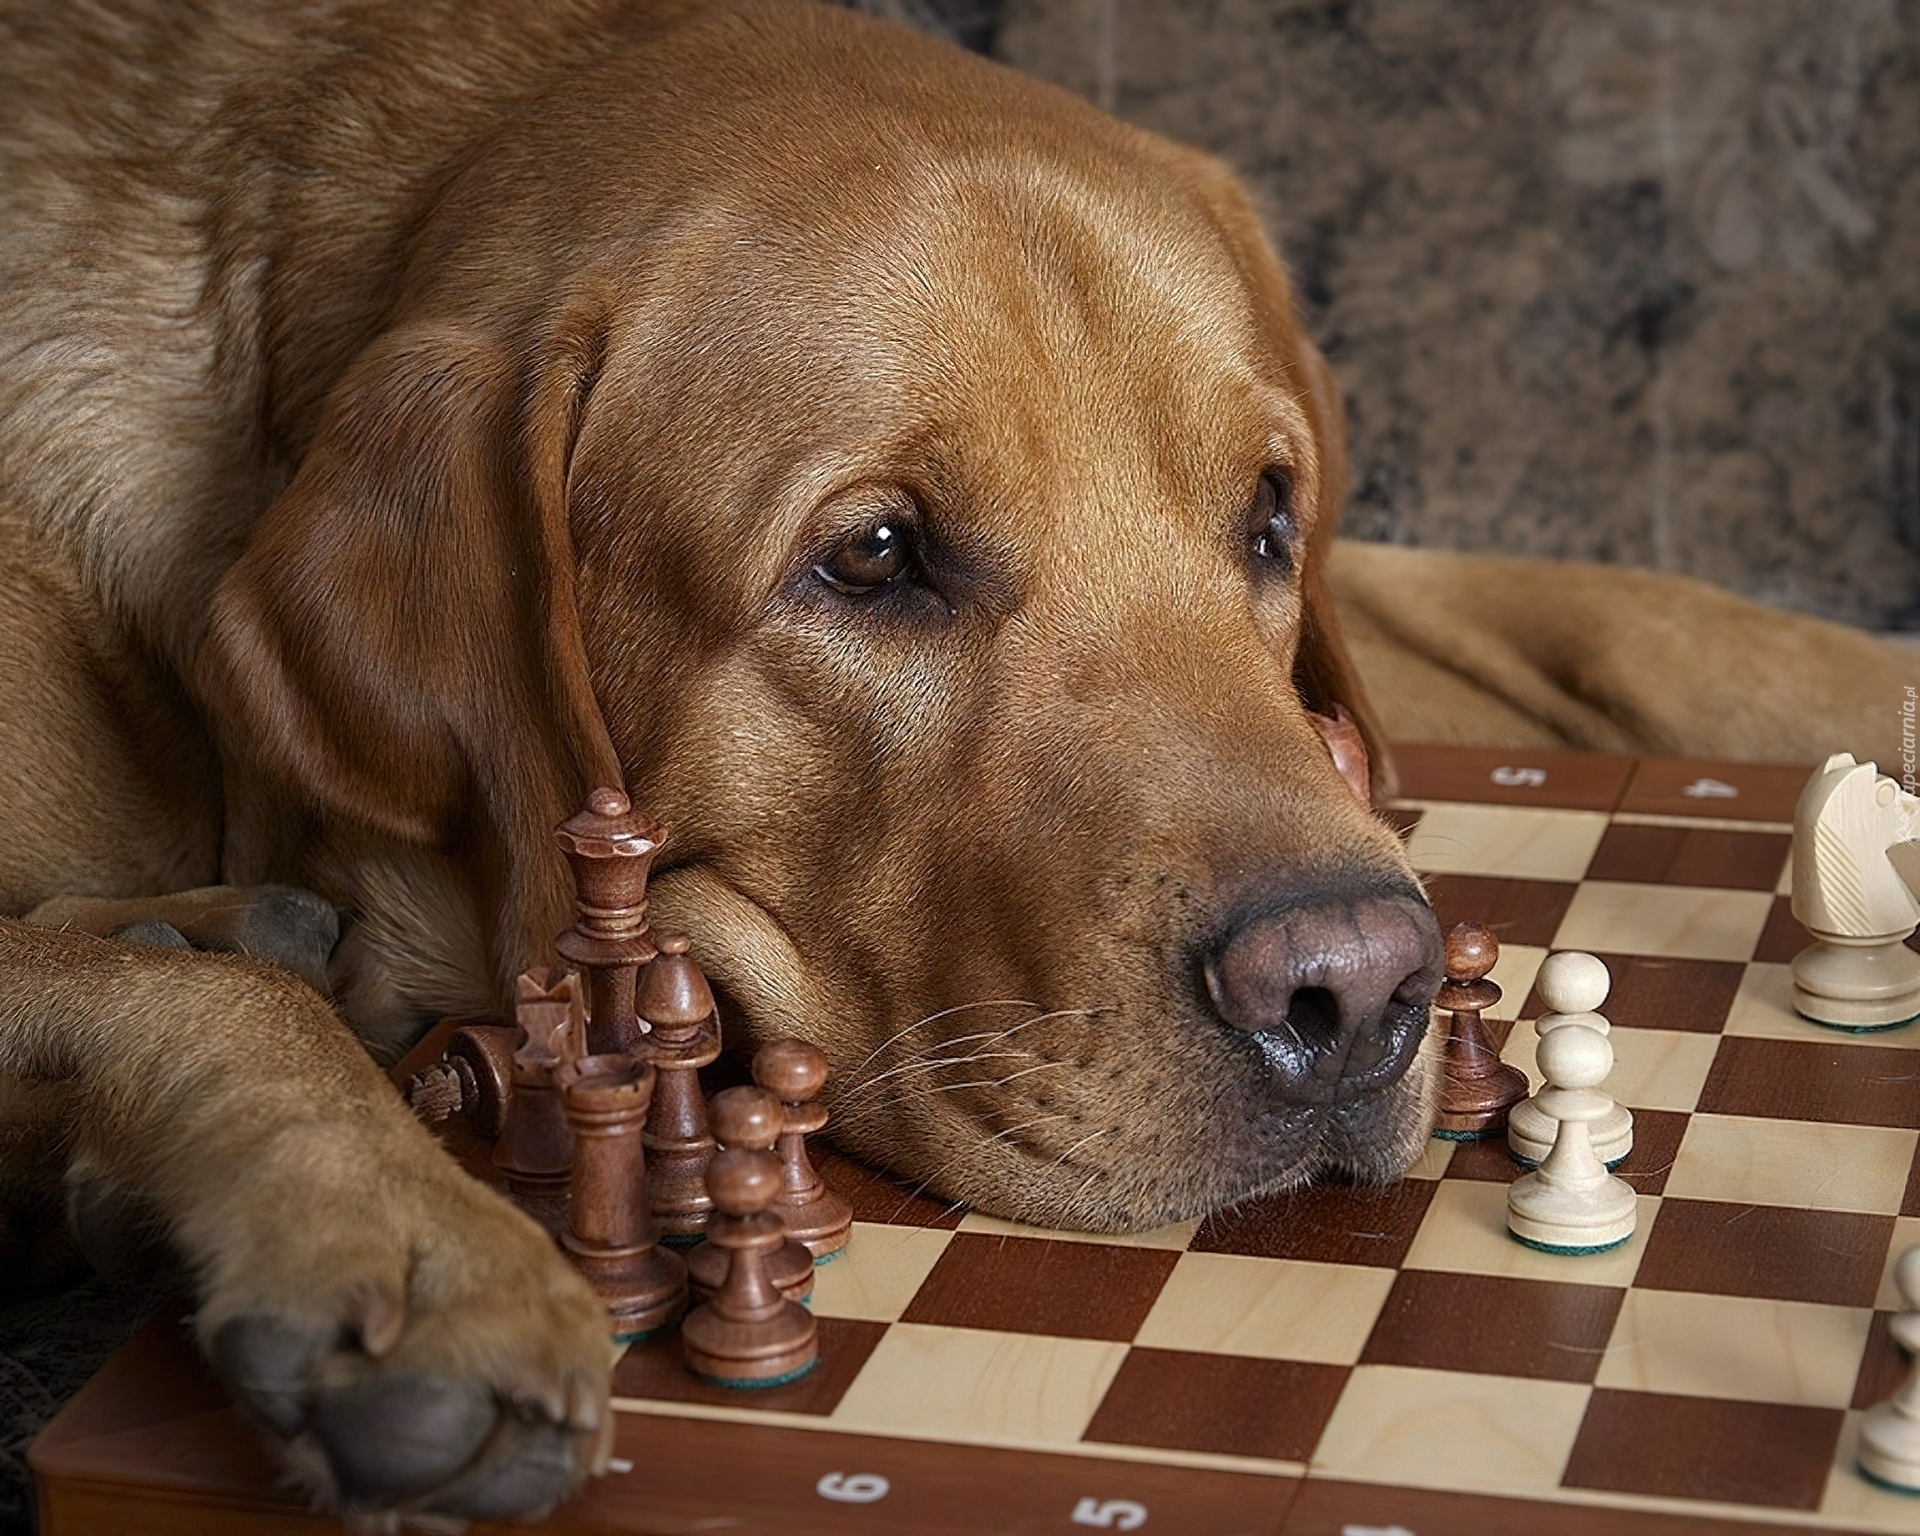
912, 485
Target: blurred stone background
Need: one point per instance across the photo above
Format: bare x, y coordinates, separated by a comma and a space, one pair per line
1609, 279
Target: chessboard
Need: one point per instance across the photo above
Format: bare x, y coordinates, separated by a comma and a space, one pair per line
1333, 1361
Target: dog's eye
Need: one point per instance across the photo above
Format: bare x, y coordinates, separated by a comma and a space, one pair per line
1271, 518
876, 557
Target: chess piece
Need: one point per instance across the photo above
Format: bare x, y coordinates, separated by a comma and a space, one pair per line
550, 1008
610, 847
795, 1072
1890, 1433
610, 1233
473, 1078
1856, 889
1570, 1203
1478, 1087
684, 1036
749, 1119
535, 1149
748, 1335
1573, 986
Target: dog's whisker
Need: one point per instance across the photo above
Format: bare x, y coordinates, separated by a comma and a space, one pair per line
998, 1002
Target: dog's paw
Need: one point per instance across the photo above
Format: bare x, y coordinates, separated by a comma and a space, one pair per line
426, 1353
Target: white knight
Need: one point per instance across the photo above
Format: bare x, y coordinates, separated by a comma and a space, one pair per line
1856, 889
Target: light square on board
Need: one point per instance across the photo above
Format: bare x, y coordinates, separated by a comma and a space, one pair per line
1763, 1009
1513, 973
1516, 842
1752, 1348
1863, 1505
1684, 921
876, 1275
1652, 1068
1812, 1163
1466, 1230
1283, 1309
1446, 1429
970, 1384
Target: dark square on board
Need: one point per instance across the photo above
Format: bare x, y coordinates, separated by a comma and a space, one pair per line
1776, 1252
1517, 911
1668, 855
1040, 1285
1830, 1079
657, 1368
1326, 1223
1773, 1454
1493, 1326
1226, 1404
1655, 992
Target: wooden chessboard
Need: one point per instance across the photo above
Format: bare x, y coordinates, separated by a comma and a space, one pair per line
1334, 1361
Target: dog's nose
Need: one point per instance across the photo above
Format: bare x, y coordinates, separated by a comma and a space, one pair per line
1336, 991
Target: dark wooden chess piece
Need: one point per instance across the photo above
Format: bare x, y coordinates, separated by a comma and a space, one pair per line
610, 1232
1478, 1087
535, 1149
550, 1008
611, 847
749, 1119
473, 1077
795, 1072
684, 1037
748, 1335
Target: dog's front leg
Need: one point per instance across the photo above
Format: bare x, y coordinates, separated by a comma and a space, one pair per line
415, 1342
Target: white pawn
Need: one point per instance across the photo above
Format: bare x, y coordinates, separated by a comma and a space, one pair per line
1570, 1203
1890, 1433
1572, 985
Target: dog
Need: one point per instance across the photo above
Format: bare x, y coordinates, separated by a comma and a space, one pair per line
914, 487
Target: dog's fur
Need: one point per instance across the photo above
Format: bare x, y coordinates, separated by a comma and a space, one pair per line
412, 417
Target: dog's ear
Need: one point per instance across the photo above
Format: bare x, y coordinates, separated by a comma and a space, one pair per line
399, 644
1323, 668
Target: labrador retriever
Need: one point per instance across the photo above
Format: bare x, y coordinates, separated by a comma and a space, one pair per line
913, 486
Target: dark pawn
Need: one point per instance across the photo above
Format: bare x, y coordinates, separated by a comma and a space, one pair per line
1478, 1088
684, 1037
535, 1148
748, 1335
610, 847
794, 1072
749, 1118
610, 1231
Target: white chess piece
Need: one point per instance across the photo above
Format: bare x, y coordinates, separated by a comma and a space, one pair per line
1572, 985
1856, 888
1890, 1433
1570, 1203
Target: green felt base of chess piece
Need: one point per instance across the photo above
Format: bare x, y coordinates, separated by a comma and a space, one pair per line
755, 1384
1539, 1247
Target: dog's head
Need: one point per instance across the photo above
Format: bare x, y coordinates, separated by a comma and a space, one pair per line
914, 486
